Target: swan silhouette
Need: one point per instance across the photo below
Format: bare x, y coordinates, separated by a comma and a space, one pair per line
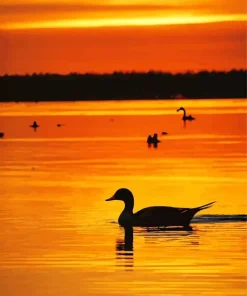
185, 117
153, 216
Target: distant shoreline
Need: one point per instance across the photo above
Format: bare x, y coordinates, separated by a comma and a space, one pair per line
150, 85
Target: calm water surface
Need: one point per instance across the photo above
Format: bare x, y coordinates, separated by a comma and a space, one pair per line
60, 237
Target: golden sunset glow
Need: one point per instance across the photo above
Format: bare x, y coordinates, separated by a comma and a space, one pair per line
127, 22
57, 14
146, 95
40, 36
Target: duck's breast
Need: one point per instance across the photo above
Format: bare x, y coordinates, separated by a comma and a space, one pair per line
125, 218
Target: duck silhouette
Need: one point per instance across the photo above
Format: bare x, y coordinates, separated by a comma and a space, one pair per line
155, 216
1, 135
34, 125
185, 117
150, 140
153, 140
156, 140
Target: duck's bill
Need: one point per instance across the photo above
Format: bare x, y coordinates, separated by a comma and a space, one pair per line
111, 198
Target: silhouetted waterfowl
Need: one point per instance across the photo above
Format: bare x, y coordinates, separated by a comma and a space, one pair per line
185, 117
60, 124
155, 139
164, 133
1, 135
153, 216
34, 125
150, 140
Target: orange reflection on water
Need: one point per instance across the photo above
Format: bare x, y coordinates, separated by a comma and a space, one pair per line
59, 233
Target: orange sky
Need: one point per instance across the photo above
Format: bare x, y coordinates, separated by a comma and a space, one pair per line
88, 36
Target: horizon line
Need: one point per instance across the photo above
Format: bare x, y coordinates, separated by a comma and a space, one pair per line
126, 72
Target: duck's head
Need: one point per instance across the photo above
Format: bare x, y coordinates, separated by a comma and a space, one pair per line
181, 108
125, 195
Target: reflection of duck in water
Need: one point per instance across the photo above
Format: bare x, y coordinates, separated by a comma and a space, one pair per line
153, 216
127, 243
185, 117
124, 249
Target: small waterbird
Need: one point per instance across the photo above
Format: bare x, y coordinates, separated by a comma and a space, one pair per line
1, 135
155, 216
150, 140
34, 125
153, 140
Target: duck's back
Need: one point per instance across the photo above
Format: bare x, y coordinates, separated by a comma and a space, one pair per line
163, 216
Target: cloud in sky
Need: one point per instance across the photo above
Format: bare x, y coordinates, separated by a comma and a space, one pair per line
33, 14
48, 7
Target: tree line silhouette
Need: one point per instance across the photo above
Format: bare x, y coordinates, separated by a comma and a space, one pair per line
123, 85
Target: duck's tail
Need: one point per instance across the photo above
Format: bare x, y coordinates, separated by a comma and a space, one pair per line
205, 206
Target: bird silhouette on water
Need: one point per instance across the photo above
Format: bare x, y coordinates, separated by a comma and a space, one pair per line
34, 125
153, 140
1, 135
185, 117
150, 140
155, 216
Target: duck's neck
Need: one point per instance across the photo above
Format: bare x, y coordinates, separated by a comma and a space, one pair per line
184, 112
129, 206
126, 217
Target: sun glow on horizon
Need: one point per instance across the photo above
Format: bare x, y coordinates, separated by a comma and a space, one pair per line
124, 22
121, 35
